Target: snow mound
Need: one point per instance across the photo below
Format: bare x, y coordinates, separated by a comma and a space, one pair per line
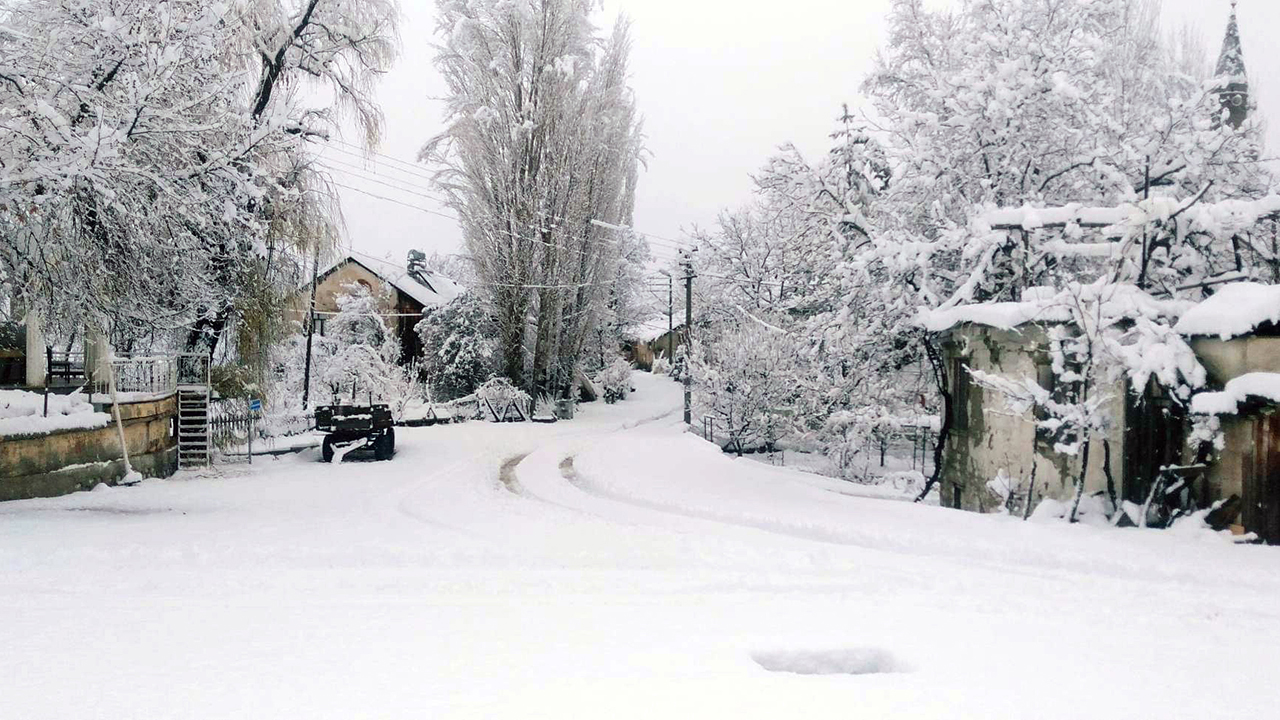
1234, 310
1264, 385
850, 661
22, 413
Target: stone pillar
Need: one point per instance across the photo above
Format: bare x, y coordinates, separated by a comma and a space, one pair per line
37, 365
97, 357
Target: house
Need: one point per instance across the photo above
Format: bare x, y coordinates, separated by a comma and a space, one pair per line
1236, 335
986, 440
647, 341
409, 290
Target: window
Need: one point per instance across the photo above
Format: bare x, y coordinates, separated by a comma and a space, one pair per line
960, 384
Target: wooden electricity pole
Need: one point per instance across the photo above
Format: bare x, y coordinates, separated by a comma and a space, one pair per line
311, 326
688, 338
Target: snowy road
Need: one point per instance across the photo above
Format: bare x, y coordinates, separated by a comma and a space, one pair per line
617, 568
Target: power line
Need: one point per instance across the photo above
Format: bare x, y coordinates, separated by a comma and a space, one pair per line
398, 202
416, 170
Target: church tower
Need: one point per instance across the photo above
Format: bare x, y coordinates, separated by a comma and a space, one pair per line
1232, 83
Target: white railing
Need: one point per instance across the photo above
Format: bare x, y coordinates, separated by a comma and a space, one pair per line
146, 375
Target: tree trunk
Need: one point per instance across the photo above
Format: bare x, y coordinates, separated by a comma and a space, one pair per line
1084, 470
944, 389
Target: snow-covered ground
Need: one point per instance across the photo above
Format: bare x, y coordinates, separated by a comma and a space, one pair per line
611, 567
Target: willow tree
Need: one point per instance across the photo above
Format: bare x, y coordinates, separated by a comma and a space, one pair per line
539, 161
154, 172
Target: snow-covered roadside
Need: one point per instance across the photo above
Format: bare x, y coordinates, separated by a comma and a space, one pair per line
649, 577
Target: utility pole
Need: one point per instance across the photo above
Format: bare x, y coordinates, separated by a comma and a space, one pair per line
671, 328
688, 338
311, 327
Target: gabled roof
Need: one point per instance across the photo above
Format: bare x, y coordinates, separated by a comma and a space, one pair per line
427, 287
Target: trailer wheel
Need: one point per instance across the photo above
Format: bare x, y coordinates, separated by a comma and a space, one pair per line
384, 445
326, 449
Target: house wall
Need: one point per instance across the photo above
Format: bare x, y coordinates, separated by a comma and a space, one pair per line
1226, 360
57, 463
996, 439
390, 301
335, 284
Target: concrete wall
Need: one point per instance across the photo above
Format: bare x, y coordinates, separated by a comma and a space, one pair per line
56, 463
996, 439
1226, 360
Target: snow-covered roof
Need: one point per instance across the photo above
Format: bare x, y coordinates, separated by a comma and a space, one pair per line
649, 330
427, 287
1048, 305
1261, 385
1234, 310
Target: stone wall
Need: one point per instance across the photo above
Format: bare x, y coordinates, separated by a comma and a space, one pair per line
61, 462
995, 439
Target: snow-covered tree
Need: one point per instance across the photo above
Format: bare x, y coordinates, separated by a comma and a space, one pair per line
460, 347
154, 154
539, 162
748, 379
364, 351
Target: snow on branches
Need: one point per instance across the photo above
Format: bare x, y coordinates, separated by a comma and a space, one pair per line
539, 161
153, 153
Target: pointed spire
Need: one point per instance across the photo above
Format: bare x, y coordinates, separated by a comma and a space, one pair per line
1231, 59
1232, 78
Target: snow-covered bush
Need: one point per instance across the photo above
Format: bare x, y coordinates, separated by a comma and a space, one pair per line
661, 366
460, 348
615, 380
500, 395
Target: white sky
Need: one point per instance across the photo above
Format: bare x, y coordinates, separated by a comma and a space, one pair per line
721, 83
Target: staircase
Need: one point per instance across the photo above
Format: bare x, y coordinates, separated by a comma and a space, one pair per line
194, 447
193, 427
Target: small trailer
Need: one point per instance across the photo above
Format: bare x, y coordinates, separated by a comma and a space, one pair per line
355, 427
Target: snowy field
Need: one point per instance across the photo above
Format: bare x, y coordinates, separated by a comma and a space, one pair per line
612, 567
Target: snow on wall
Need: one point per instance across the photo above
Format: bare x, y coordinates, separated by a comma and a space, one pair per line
1233, 310
997, 441
22, 413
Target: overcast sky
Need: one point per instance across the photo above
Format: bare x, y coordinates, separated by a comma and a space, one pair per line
721, 83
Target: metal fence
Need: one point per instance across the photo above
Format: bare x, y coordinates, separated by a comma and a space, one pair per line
235, 431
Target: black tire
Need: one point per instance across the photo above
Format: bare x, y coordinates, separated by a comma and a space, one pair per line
384, 445
391, 441
326, 449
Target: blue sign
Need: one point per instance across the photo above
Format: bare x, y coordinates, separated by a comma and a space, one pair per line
255, 405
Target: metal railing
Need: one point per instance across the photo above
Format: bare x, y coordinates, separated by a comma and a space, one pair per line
192, 369
145, 375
